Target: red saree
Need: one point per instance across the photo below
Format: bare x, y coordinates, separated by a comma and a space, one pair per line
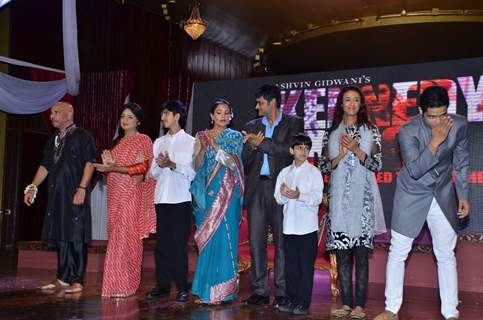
131, 217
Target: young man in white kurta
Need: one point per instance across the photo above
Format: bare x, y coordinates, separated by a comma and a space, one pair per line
173, 170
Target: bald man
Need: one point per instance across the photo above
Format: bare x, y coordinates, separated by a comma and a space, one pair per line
67, 162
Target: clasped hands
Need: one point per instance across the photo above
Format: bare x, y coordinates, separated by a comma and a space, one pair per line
348, 144
289, 193
109, 165
164, 161
254, 139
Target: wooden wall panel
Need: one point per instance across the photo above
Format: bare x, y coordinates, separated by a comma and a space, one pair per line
208, 61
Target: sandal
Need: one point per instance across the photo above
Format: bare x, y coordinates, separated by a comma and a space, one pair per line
357, 313
341, 312
204, 303
74, 288
54, 285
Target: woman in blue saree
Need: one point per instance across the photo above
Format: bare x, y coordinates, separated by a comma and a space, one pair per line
217, 202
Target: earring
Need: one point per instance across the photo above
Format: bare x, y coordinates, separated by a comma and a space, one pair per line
211, 121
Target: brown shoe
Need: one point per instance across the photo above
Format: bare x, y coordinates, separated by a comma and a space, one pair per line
54, 285
386, 315
341, 312
74, 288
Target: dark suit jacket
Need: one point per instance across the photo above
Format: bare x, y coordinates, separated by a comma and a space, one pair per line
424, 175
276, 147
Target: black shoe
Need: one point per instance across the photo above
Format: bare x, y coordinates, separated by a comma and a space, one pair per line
182, 296
300, 310
157, 294
280, 301
286, 308
256, 299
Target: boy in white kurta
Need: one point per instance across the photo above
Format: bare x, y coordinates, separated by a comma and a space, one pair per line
299, 189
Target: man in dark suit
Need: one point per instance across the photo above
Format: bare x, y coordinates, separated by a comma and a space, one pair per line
432, 144
265, 154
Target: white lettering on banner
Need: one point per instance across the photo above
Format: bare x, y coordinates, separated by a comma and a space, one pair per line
473, 96
312, 107
359, 80
289, 102
295, 85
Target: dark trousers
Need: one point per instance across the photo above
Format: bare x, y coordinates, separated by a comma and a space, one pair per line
262, 212
300, 254
345, 262
71, 261
173, 223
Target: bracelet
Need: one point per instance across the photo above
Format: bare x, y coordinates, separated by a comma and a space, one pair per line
31, 187
80, 187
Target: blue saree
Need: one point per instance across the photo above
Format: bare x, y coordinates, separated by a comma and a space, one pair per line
217, 202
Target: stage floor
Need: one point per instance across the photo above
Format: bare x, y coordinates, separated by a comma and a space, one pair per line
20, 300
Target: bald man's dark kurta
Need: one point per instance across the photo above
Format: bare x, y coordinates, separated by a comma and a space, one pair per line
63, 220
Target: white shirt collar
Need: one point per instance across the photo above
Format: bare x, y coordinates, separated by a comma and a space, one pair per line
304, 164
176, 134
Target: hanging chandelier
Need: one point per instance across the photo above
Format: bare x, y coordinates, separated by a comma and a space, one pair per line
194, 26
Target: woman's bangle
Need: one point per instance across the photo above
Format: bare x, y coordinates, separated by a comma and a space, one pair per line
81, 187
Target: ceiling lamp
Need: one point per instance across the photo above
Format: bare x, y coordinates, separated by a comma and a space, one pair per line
194, 26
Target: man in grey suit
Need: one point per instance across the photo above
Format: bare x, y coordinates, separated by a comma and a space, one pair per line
432, 144
265, 153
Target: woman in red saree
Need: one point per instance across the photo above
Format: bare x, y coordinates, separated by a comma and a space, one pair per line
130, 203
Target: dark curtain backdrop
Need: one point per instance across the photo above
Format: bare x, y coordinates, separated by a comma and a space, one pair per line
97, 107
179, 88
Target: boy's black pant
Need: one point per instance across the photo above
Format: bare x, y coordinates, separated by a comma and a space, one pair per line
173, 223
300, 254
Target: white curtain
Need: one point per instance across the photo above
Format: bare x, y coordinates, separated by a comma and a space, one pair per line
21, 63
71, 52
27, 97
20, 96
99, 210
189, 120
